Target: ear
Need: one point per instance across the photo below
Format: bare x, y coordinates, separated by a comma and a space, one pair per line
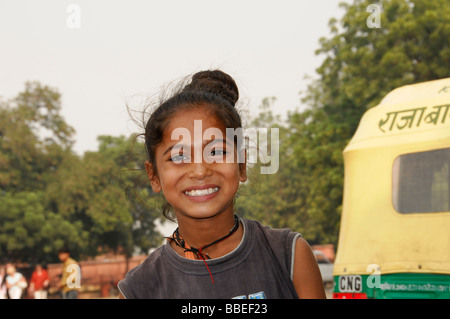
154, 179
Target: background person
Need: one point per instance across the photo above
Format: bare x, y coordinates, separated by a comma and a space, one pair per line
69, 279
15, 282
39, 283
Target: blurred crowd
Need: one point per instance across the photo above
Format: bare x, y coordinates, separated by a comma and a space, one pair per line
14, 285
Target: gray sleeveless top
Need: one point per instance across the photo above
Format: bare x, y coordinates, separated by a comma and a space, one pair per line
260, 267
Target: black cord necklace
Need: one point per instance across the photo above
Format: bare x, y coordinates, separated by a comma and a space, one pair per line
198, 252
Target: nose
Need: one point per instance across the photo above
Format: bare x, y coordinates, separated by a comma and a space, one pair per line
200, 170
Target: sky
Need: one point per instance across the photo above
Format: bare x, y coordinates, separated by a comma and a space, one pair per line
104, 54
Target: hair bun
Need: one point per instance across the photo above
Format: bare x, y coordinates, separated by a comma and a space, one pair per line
215, 82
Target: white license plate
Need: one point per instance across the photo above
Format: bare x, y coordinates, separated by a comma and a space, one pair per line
350, 283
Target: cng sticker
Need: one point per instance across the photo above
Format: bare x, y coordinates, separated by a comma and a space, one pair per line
350, 283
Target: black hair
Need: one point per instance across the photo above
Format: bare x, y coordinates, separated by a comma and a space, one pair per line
214, 89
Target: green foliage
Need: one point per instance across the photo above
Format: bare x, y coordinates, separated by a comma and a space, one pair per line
360, 67
51, 198
30, 232
304, 190
33, 138
93, 189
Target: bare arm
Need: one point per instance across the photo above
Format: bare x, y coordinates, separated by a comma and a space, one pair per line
307, 278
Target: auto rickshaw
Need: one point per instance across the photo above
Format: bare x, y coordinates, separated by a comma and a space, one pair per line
394, 239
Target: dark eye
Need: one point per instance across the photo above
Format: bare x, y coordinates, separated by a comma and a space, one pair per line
178, 159
215, 152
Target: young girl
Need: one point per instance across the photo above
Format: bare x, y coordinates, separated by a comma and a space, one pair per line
212, 253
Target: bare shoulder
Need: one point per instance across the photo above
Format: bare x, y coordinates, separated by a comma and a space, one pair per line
307, 278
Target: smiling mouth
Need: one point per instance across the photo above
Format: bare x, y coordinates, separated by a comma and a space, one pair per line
201, 192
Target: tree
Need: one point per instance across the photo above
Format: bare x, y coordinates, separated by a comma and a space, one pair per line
361, 66
92, 190
290, 197
29, 232
34, 138
51, 197
273, 199
34, 141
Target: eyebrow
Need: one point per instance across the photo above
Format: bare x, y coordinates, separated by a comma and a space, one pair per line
178, 145
173, 146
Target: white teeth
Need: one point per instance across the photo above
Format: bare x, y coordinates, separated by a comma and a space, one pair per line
202, 192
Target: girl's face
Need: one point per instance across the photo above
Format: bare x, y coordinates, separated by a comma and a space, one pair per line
198, 173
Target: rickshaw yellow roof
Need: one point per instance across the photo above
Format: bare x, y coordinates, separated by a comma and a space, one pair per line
411, 113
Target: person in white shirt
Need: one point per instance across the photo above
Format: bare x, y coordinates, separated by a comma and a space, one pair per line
15, 282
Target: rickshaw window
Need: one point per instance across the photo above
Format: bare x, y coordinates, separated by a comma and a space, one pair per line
421, 182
